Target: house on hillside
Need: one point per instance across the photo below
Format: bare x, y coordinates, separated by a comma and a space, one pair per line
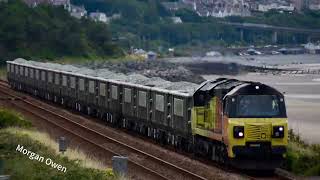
219, 8
276, 6
60, 2
99, 17
115, 16
175, 6
34, 3
314, 5
176, 20
77, 11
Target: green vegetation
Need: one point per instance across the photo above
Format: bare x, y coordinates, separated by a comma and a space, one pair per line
146, 24
3, 72
48, 32
308, 19
302, 158
20, 167
9, 118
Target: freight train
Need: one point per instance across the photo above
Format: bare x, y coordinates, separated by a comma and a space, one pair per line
227, 120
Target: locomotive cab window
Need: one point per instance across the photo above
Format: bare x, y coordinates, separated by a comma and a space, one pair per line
258, 106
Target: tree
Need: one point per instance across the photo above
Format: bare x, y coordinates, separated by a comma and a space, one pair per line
49, 32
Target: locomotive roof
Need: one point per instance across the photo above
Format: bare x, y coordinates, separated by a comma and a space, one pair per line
185, 89
223, 87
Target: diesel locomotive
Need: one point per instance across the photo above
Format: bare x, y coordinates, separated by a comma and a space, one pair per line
227, 120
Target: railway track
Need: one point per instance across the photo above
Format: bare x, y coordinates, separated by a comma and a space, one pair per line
150, 164
153, 166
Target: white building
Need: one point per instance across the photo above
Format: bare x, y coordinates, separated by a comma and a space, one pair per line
76, 11
312, 48
115, 16
213, 54
100, 17
314, 5
220, 8
276, 6
176, 20
60, 2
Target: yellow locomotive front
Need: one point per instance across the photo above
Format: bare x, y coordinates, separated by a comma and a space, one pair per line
241, 122
256, 127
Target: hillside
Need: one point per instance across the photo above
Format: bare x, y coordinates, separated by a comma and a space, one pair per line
147, 24
50, 32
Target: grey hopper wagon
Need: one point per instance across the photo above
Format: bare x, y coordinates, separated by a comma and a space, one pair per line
134, 100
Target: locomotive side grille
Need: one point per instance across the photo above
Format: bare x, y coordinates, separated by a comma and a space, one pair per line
255, 132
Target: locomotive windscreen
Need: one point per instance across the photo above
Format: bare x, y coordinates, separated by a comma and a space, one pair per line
258, 106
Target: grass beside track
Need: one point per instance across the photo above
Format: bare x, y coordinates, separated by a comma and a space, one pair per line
10, 118
3, 72
302, 158
20, 167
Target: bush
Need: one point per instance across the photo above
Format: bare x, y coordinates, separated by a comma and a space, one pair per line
11, 118
302, 158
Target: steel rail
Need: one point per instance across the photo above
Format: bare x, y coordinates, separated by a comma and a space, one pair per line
181, 170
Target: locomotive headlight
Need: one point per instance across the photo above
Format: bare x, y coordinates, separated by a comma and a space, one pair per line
281, 128
278, 132
238, 132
